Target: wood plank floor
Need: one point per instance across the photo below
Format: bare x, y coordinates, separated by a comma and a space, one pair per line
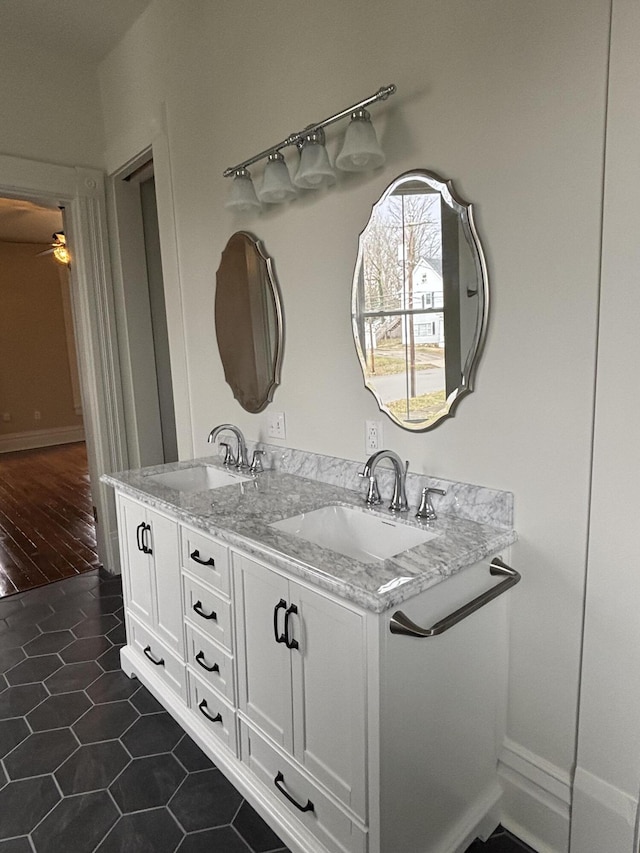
47, 530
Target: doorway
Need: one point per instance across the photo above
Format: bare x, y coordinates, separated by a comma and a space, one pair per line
144, 342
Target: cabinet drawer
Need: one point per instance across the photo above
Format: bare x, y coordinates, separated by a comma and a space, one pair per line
213, 666
331, 826
158, 657
213, 711
208, 611
206, 558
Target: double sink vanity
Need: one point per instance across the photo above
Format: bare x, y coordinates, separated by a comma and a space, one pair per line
334, 659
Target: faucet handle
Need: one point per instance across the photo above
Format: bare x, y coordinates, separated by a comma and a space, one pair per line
256, 462
373, 492
229, 458
426, 510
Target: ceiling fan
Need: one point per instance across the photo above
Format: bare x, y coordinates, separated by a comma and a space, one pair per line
58, 248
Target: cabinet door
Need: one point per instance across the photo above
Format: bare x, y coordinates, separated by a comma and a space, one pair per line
329, 694
137, 566
264, 679
165, 557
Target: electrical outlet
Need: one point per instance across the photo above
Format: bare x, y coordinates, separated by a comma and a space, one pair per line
37, 416
6, 416
276, 428
373, 436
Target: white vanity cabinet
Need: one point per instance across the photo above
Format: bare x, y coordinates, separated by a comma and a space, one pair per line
346, 737
150, 561
302, 677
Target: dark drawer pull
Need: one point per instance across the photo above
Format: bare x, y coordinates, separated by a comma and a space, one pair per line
203, 711
195, 556
281, 605
198, 608
200, 660
279, 783
147, 652
290, 644
139, 532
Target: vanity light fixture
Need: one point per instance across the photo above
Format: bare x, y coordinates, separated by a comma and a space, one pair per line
361, 152
276, 183
242, 197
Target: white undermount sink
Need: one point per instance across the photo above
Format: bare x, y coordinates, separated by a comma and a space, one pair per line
354, 533
199, 478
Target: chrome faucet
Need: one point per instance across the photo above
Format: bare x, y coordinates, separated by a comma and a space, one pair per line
242, 460
399, 499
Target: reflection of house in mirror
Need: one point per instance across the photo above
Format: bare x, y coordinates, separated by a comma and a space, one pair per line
427, 293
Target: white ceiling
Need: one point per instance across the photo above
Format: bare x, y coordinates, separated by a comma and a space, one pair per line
27, 222
85, 29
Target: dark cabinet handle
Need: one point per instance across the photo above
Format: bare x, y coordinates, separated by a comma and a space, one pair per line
198, 608
281, 605
195, 556
147, 652
145, 547
203, 710
279, 783
200, 660
290, 644
139, 531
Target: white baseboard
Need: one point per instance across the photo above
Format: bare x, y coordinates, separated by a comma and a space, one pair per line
40, 438
537, 799
604, 817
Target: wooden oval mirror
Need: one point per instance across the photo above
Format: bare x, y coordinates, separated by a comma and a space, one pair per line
248, 317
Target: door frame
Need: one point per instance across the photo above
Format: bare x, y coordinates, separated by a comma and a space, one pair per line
81, 193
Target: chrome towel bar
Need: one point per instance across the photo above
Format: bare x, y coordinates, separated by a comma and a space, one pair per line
401, 624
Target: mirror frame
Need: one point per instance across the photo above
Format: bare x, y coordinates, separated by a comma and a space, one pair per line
465, 212
269, 279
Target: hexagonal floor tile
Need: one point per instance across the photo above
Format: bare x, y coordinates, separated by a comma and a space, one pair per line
110, 660
57, 711
191, 756
16, 845
145, 702
23, 804
103, 722
88, 648
10, 657
48, 643
11, 638
112, 686
154, 831
77, 823
152, 734
12, 732
205, 800
40, 753
61, 619
224, 838
95, 626
147, 783
258, 835
103, 604
33, 669
18, 701
28, 615
92, 767
73, 676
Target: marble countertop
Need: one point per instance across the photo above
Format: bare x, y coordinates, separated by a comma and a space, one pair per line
240, 515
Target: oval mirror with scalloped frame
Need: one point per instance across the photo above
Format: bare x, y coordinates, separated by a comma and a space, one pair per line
248, 316
420, 300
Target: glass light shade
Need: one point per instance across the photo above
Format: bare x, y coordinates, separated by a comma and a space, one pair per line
361, 150
315, 170
276, 183
242, 196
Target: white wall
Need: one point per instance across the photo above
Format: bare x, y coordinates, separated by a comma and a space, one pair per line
50, 107
508, 100
607, 781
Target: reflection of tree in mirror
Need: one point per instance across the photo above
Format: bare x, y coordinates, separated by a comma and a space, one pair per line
402, 272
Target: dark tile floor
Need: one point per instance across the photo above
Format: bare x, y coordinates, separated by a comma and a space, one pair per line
89, 760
